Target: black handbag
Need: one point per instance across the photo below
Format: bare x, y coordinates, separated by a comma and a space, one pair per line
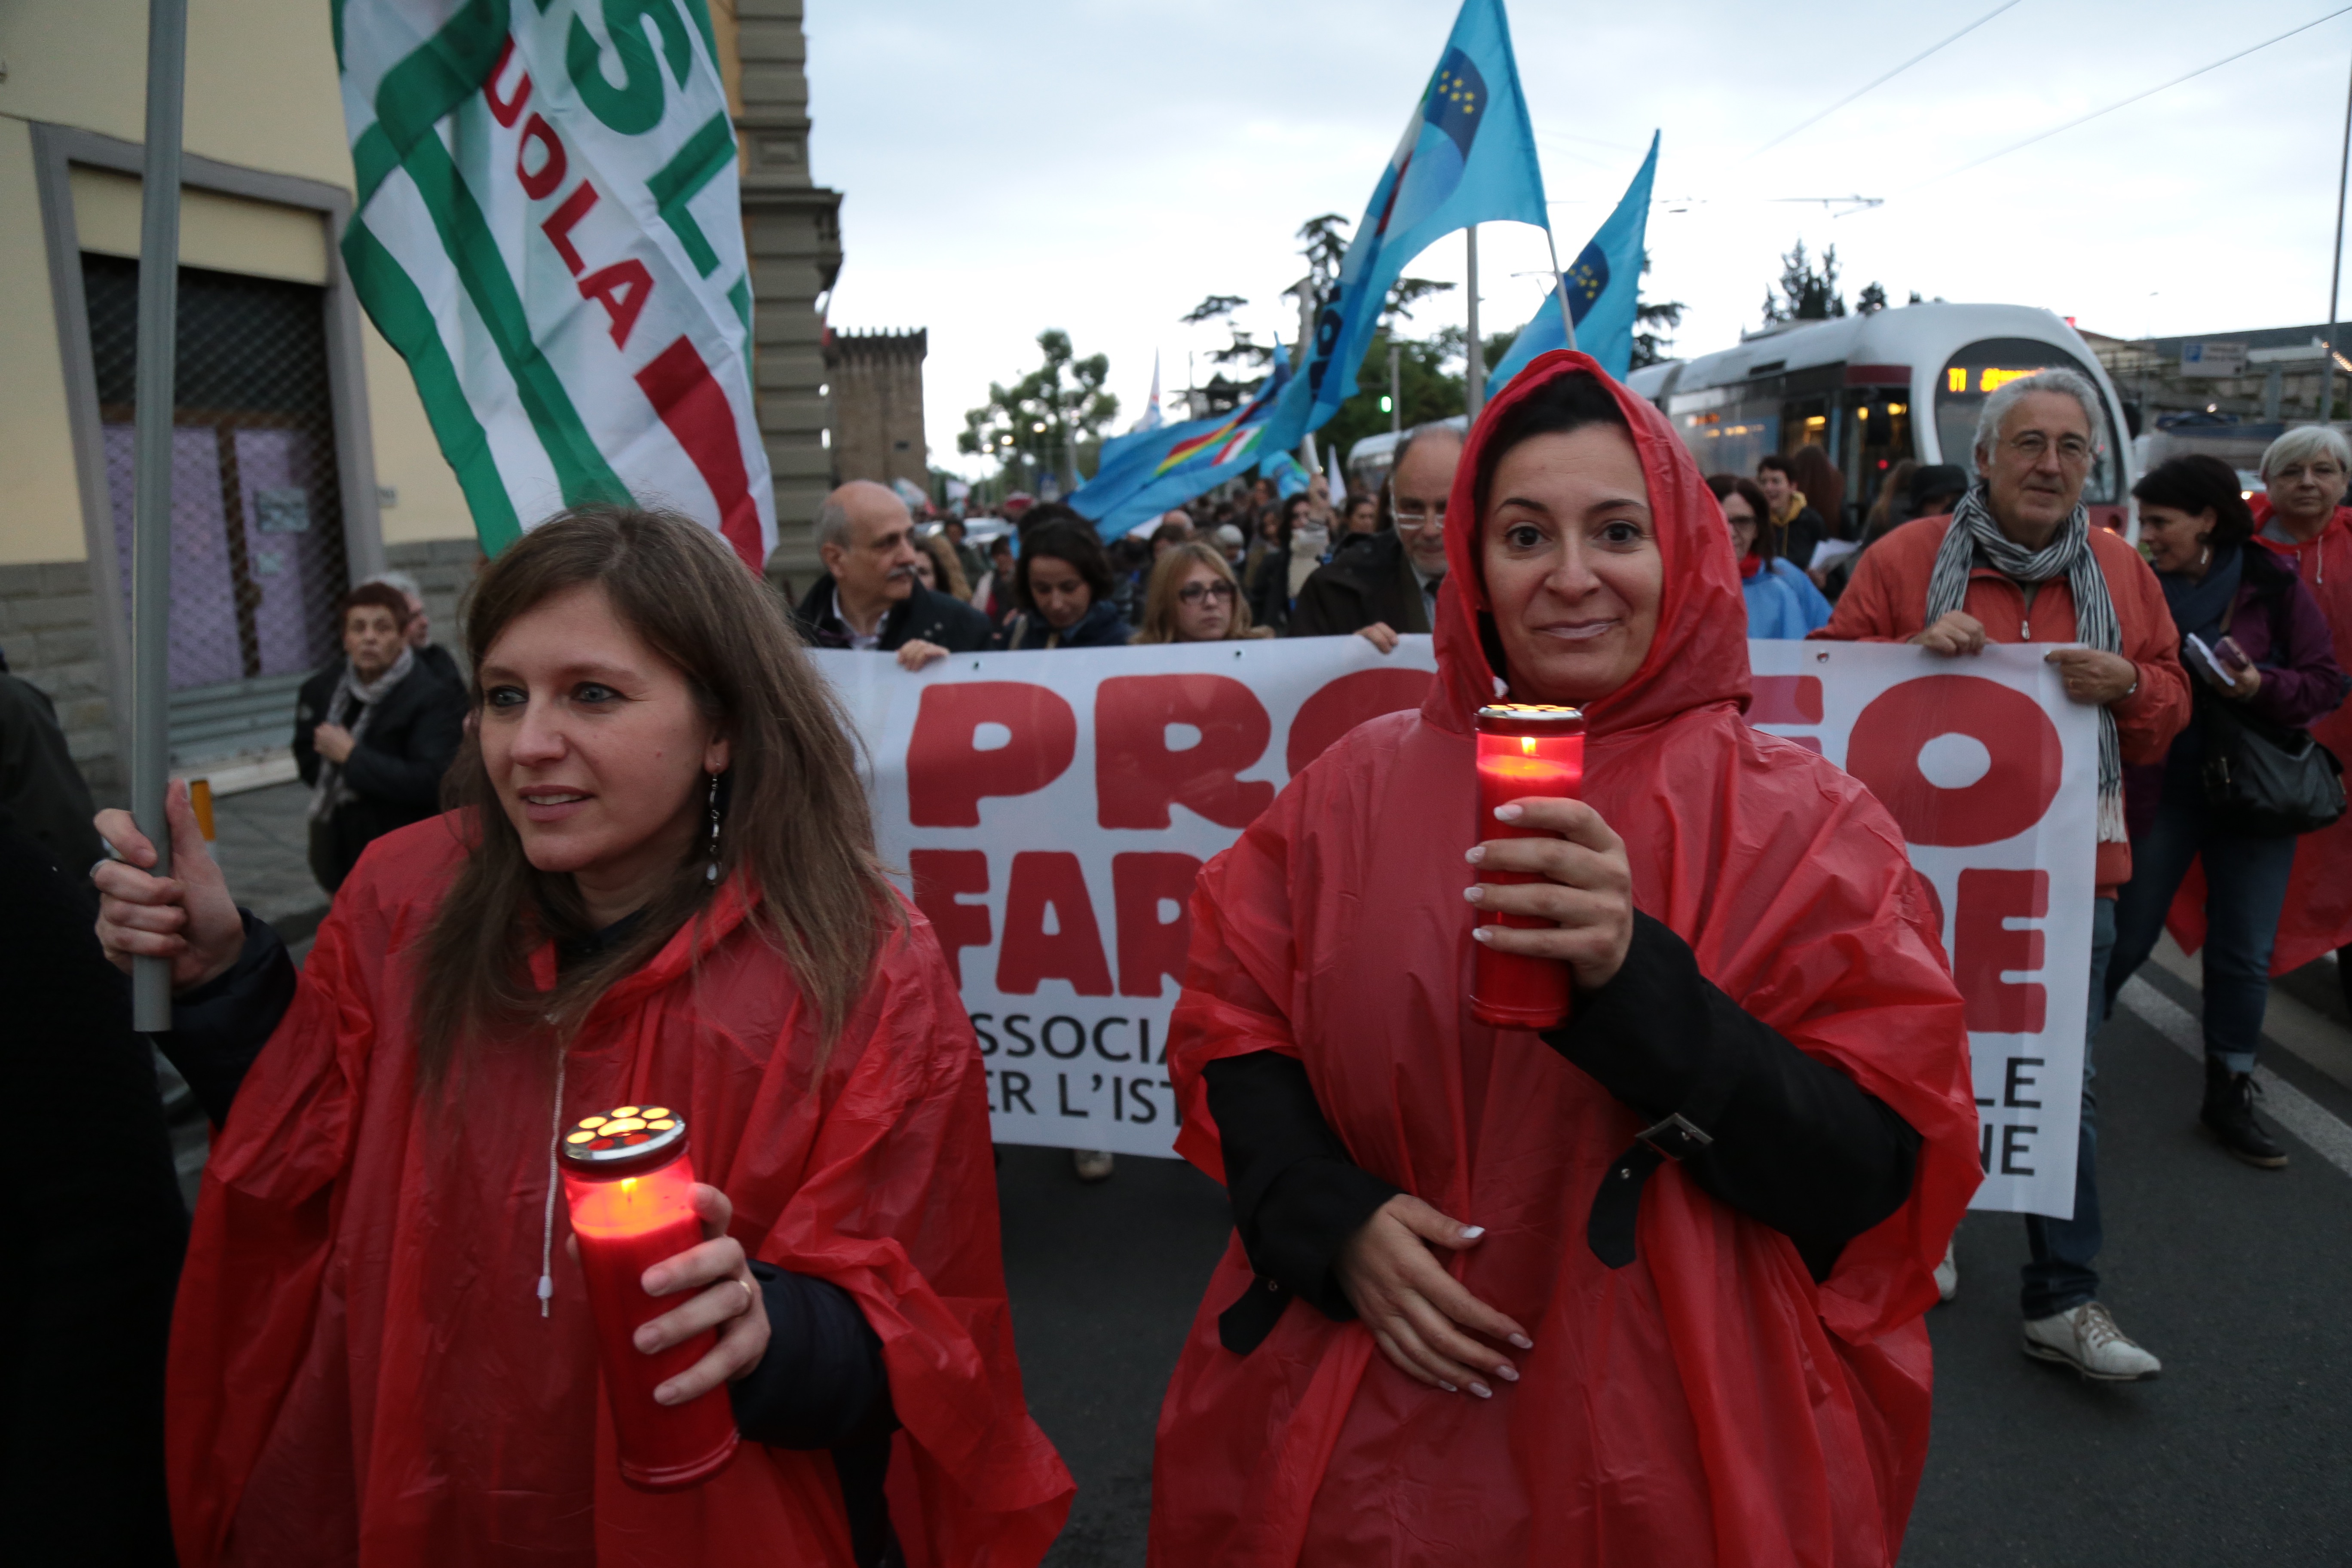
2264, 780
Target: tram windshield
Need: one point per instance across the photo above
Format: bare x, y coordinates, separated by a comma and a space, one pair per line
1985, 366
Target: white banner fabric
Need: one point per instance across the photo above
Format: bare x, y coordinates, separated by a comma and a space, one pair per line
1049, 811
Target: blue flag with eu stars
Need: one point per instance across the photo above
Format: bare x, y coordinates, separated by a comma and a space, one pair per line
1468, 155
1144, 472
1603, 283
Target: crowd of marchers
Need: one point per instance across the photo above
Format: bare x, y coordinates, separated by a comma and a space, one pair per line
1496, 1295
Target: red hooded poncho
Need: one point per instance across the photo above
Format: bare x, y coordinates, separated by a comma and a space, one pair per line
359, 1371
1706, 1404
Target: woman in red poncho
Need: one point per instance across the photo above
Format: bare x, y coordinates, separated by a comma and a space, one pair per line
1545, 1322
663, 888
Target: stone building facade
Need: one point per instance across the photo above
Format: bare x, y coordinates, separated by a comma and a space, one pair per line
792, 228
876, 391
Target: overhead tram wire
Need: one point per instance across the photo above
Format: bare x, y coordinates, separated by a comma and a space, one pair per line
1882, 81
2126, 102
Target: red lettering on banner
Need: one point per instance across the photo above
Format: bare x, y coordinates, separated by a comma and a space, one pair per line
1044, 882
1138, 776
539, 183
1339, 706
1883, 752
939, 875
560, 223
623, 289
504, 109
1984, 946
1150, 947
949, 772
1785, 699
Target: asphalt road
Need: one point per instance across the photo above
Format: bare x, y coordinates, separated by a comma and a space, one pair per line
2240, 1280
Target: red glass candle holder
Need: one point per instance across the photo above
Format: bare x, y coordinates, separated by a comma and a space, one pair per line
1524, 749
631, 1190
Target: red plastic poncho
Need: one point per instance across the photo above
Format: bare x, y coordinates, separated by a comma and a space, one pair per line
1706, 1404
359, 1371
2316, 918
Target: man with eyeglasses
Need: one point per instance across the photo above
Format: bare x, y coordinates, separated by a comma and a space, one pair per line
1385, 583
2018, 561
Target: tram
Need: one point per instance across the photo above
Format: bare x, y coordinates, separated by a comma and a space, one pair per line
1906, 382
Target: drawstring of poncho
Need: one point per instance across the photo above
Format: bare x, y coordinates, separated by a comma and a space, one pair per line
547, 1225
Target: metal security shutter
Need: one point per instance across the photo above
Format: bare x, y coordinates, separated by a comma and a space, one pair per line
258, 559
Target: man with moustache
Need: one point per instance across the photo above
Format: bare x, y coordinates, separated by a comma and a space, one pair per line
869, 598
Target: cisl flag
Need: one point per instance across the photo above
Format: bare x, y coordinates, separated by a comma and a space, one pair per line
548, 229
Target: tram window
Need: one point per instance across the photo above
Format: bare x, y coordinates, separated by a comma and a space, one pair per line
1985, 367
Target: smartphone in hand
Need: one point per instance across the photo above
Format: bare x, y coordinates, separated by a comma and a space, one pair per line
2233, 657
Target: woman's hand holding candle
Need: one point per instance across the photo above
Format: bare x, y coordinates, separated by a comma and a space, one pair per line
727, 1298
1417, 1311
1588, 888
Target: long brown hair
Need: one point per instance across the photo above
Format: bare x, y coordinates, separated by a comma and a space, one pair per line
801, 833
1160, 595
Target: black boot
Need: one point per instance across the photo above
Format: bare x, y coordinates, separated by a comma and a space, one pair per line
2229, 1115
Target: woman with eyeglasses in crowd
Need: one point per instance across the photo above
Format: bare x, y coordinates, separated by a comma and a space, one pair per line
1782, 602
1194, 596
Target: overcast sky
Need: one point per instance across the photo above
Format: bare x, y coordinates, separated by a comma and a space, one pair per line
1099, 165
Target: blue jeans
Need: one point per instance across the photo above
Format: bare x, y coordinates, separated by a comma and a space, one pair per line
2059, 1275
2246, 888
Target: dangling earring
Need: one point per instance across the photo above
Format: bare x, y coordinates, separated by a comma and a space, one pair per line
2205, 557
711, 875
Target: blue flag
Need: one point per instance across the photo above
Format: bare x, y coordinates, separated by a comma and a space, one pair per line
1604, 284
1289, 477
1143, 473
1468, 155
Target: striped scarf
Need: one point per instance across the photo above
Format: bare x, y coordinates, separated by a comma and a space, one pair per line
2069, 555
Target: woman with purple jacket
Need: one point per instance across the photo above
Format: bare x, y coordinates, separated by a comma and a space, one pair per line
2276, 660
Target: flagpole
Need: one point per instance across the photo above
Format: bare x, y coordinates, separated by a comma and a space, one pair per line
151, 506
1559, 289
1475, 383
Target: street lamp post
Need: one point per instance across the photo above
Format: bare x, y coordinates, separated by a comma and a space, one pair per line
2336, 268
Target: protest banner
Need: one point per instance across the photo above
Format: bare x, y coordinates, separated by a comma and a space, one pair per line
1049, 812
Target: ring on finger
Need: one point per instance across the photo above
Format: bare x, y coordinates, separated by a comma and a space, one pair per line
749, 1295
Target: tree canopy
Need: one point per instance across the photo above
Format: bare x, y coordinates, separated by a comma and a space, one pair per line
1047, 414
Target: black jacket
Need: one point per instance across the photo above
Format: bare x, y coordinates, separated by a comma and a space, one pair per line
1371, 579
924, 615
40, 784
395, 771
1099, 628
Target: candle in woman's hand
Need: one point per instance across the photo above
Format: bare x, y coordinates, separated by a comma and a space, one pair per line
1524, 749
631, 1191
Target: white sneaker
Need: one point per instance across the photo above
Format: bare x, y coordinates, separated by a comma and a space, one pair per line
2086, 1339
1091, 1164
1948, 1274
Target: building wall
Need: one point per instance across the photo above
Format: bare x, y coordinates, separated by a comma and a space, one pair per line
261, 95
877, 397
791, 228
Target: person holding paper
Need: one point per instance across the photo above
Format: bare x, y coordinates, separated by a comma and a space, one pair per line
1447, 1330
2252, 636
1782, 602
2018, 561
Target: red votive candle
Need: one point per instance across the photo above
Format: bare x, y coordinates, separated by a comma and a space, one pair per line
631, 1191
1523, 749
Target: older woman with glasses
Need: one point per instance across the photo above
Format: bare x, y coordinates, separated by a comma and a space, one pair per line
1194, 596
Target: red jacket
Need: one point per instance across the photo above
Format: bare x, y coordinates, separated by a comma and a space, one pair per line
1887, 601
359, 1371
1707, 1403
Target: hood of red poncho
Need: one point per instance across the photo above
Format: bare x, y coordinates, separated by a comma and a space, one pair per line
1700, 653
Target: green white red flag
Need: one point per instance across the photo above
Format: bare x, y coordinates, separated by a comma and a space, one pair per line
547, 228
